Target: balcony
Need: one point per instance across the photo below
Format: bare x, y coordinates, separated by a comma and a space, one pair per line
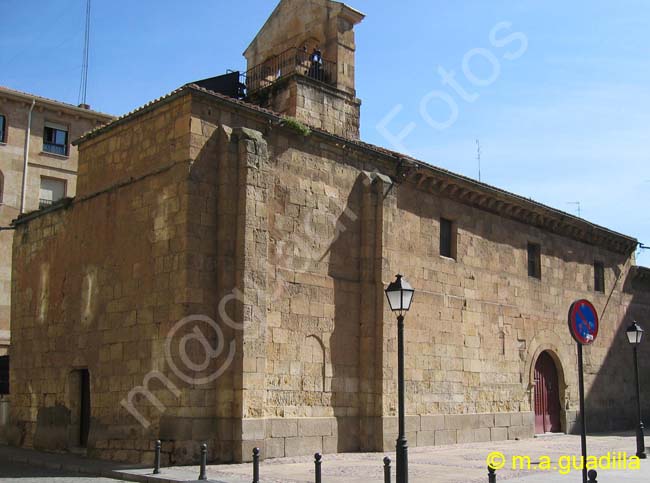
291, 61
60, 149
44, 203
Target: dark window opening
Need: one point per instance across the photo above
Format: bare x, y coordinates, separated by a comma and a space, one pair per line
534, 260
3, 129
599, 277
447, 238
4, 375
55, 139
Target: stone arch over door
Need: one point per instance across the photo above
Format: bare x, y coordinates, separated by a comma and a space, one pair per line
549, 342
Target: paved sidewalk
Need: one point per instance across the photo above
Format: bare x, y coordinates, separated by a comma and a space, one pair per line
464, 463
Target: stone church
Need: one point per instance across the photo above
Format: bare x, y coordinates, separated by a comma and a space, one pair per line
219, 278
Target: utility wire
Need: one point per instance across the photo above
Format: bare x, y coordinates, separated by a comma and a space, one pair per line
84, 66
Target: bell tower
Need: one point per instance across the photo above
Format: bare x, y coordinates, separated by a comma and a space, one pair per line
301, 64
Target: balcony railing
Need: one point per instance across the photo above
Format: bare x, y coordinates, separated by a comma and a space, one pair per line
289, 62
44, 203
55, 148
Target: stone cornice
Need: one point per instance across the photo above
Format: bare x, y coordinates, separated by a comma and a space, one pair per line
509, 205
426, 177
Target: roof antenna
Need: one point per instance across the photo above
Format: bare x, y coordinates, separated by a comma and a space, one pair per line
478, 158
84, 66
577, 203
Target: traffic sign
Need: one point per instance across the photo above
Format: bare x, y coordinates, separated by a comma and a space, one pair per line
583, 322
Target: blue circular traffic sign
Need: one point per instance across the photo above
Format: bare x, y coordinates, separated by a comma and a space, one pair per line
583, 322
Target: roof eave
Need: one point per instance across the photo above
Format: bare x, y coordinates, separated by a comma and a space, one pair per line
513, 201
24, 96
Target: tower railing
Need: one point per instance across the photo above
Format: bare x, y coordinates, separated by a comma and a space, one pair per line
291, 61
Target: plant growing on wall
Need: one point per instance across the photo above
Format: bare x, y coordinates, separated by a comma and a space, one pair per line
295, 125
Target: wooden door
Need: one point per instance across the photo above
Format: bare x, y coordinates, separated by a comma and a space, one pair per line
84, 408
547, 396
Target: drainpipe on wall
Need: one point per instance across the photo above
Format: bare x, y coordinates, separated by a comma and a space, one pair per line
26, 158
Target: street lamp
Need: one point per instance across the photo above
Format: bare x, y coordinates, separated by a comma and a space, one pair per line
400, 296
634, 335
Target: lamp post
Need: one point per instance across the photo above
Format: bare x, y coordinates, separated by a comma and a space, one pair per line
400, 296
634, 335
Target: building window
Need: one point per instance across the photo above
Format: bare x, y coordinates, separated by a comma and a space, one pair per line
599, 277
447, 238
534, 260
4, 375
2, 187
55, 139
3, 129
52, 190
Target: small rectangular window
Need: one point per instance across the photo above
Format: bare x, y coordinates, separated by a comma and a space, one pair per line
4, 375
51, 191
3, 129
55, 139
599, 277
447, 238
534, 260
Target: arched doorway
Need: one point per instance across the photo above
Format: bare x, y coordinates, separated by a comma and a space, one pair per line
547, 395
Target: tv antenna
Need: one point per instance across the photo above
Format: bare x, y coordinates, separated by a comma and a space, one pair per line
84, 65
576, 203
478, 158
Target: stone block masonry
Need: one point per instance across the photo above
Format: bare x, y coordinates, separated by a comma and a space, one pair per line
195, 198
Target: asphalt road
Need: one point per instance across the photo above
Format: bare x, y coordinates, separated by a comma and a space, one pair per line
23, 473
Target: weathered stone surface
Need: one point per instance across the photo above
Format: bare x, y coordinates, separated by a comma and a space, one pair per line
498, 434
432, 423
446, 436
274, 448
502, 420
315, 427
281, 428
465, 435
303, 445
14, 108
282, 244
426, 438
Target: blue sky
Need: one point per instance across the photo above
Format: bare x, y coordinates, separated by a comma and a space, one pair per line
558, 94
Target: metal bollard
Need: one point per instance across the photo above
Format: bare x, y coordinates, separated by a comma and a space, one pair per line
386, 469
317, 463
492, 475
204, 462
256, 465
156, 458
592, 474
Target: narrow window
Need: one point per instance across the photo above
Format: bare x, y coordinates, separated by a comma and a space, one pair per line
599, 277
2, 186
447, 238
534, 260
3, 129
4, 375
55, 139
51, 191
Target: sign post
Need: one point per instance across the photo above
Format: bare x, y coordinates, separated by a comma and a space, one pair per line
583, 325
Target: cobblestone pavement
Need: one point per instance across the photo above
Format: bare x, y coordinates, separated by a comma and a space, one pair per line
465, 463
11, 472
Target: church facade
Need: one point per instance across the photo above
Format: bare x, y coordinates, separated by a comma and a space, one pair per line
219, 278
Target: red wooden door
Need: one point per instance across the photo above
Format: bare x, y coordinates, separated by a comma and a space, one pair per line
547, 396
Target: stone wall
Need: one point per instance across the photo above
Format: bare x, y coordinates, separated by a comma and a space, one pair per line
314, 104
197, 210
97, 286
15, 109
